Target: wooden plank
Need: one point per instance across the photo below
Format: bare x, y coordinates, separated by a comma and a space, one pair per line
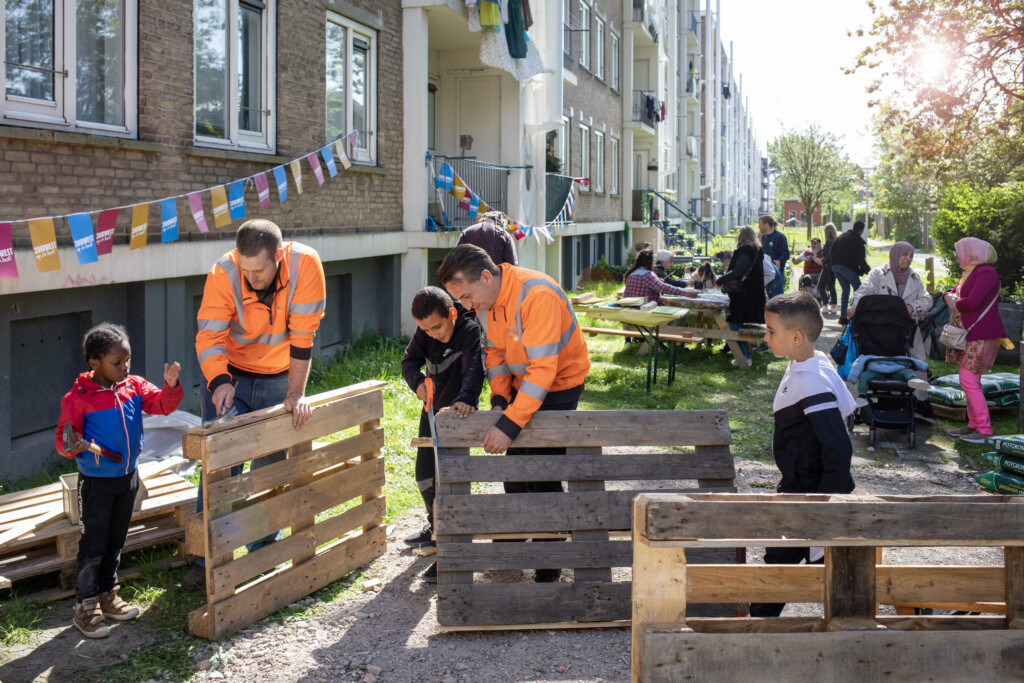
27, 526
570, 467
595, 428
521, 603
476, 514
269, 595
273, 434
659, 587
447, 539
850, 583
365, 428
754, 583
745, 625
849, 656
1014, 583
11, 517
542, 626
296, 453
919, 584
235, 529
150, 470
39, 491
479, 557
843, 521
574, 484
186, 496
269, 556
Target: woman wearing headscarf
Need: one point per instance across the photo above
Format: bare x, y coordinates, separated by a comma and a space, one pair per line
897, 278
974, 304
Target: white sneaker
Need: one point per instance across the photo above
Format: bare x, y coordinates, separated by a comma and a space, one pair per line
862, 402
918, 383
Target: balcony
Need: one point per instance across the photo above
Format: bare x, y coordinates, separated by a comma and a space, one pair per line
643, 20
488, 181
692, 147
568, 63
645, 106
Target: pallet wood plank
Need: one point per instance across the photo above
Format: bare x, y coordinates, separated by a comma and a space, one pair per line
987, 656
446, 538
37, 492
754, 583
585, 573
510, 603
850, 583
575, 466
595, 428
301, 524
368, 427
27, 526
236, 528
1014, 580
11, 517
920, 584
478, 557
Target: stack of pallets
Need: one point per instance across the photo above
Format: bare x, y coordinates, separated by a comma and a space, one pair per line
36, 536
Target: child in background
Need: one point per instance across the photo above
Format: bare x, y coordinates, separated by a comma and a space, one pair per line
105, 407
705, 278
447, 343
811, 445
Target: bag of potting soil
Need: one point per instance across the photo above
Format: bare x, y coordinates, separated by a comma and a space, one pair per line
1006, 463
947, 381
1001, 482
947, 396
1008, 381
1005, 399
1012, 444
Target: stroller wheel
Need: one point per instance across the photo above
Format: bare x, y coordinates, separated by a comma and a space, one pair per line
912, 439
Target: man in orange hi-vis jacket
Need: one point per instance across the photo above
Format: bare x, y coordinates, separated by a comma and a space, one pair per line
534, 352
261, 308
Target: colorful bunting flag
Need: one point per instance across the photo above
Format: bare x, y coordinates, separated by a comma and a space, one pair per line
195, 205
44, 244
140, 223
83, 238
474, 206
282, 183
236, 199
467, 197
297, 175
570, 200
332, 168
459, 187
353, 140
220, 207
317, 170
445, 175
105, 225
342, 157
168, 220
262, 190
8, 266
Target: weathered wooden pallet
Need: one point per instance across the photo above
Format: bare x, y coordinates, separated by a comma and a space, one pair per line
959, 414
591, 522
851, 642
290, 494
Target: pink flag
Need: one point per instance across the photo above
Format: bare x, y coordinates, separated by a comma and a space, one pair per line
262, 190
8, 267
105, 225
466, 199
317, 170
195, 205
353, 140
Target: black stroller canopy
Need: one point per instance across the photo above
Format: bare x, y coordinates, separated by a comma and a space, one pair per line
882, 326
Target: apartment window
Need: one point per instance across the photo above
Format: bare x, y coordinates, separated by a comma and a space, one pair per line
599, 48
613, 63
352, 85
584, 152
564, 146
613, 180
234, 70
71, 65
598, 162
585, 35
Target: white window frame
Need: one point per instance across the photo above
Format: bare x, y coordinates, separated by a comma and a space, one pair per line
613, 63
366, 151
598, 48
62, 112
249, 141
584, 34
585, 155
614, 179
598, 182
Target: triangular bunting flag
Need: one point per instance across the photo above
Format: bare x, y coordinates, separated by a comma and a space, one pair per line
8, 266
140, 223
220, 207
82, 235
296, 174
195, 205
262, 190
168, 220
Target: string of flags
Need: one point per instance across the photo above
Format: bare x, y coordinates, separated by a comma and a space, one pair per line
94, 240
450, 181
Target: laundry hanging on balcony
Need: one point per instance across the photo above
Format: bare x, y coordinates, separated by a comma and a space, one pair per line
494, 52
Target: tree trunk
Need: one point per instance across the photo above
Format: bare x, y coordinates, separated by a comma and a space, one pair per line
810, 214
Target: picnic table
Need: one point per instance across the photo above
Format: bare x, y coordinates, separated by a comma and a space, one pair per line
711, 324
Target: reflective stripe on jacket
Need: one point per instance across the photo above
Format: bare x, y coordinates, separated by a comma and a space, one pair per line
533, 344
235, 328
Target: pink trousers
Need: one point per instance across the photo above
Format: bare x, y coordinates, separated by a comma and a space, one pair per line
977, 409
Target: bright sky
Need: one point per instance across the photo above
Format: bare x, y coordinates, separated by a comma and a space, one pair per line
790, 54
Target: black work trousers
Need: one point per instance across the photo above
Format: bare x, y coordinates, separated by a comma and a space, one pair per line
425, 470
105, 505
780, 556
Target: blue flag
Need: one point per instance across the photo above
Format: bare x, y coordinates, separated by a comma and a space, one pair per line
168, 220
474, 206
236, 199
85, 240
282, 183
445, 176
332, 168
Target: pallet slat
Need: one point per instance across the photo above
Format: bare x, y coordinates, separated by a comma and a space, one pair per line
506, 603
479, 468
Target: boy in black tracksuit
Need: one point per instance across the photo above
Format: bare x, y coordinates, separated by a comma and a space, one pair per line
447, 343
811, 445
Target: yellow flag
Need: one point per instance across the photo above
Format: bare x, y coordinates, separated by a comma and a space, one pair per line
342, 157
140, 223
44, 244
458, 187
297, 175
219, 197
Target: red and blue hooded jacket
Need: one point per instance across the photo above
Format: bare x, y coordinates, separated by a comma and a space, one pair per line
112, 418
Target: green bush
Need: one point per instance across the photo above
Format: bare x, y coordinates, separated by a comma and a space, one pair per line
995, 215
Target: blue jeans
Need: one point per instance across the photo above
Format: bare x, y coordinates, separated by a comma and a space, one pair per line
777, 286
849, 281
250, 395
744, 346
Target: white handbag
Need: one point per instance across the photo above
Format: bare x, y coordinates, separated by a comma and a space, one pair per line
954, 337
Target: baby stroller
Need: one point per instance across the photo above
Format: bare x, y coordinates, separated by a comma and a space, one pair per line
883, 327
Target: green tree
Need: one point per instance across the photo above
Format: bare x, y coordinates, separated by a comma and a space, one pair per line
811, 166
903, 193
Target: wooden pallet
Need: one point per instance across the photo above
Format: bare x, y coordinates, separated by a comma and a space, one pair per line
41, 539
851, 642
958, 414
588, 517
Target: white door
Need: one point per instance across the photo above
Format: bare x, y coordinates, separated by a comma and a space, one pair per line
480, 116
641, 74
640, 170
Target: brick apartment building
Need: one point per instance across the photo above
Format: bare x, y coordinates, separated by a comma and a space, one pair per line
122, 103
794, 213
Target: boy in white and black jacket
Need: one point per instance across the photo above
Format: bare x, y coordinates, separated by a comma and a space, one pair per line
811, 445
447, 345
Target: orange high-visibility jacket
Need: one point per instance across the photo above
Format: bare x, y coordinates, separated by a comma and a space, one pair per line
235, 328
533, 344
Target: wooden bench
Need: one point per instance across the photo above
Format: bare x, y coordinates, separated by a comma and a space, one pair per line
677, 338
248, 506
594, 522
851, 642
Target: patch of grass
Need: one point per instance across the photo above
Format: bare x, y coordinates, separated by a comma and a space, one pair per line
40, 478
18, 618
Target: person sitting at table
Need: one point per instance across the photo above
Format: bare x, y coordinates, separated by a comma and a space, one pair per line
641, 281
663, 266
705, 278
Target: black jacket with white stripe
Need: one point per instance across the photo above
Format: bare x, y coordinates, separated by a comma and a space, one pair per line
811, 445
456, 366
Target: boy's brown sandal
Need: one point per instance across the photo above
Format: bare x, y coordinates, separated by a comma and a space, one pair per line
89, 619
116, 608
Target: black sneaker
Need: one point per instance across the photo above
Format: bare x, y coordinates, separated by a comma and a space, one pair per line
424, 536
429, 575
547, 575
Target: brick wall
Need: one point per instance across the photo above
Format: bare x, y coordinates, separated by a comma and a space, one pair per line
53, 173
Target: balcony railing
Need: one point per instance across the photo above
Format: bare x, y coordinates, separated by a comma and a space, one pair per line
489, 181
691, 86
645, 106
695, 24
568, 63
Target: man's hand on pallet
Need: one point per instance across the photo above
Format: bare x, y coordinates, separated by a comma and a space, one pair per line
298, 406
